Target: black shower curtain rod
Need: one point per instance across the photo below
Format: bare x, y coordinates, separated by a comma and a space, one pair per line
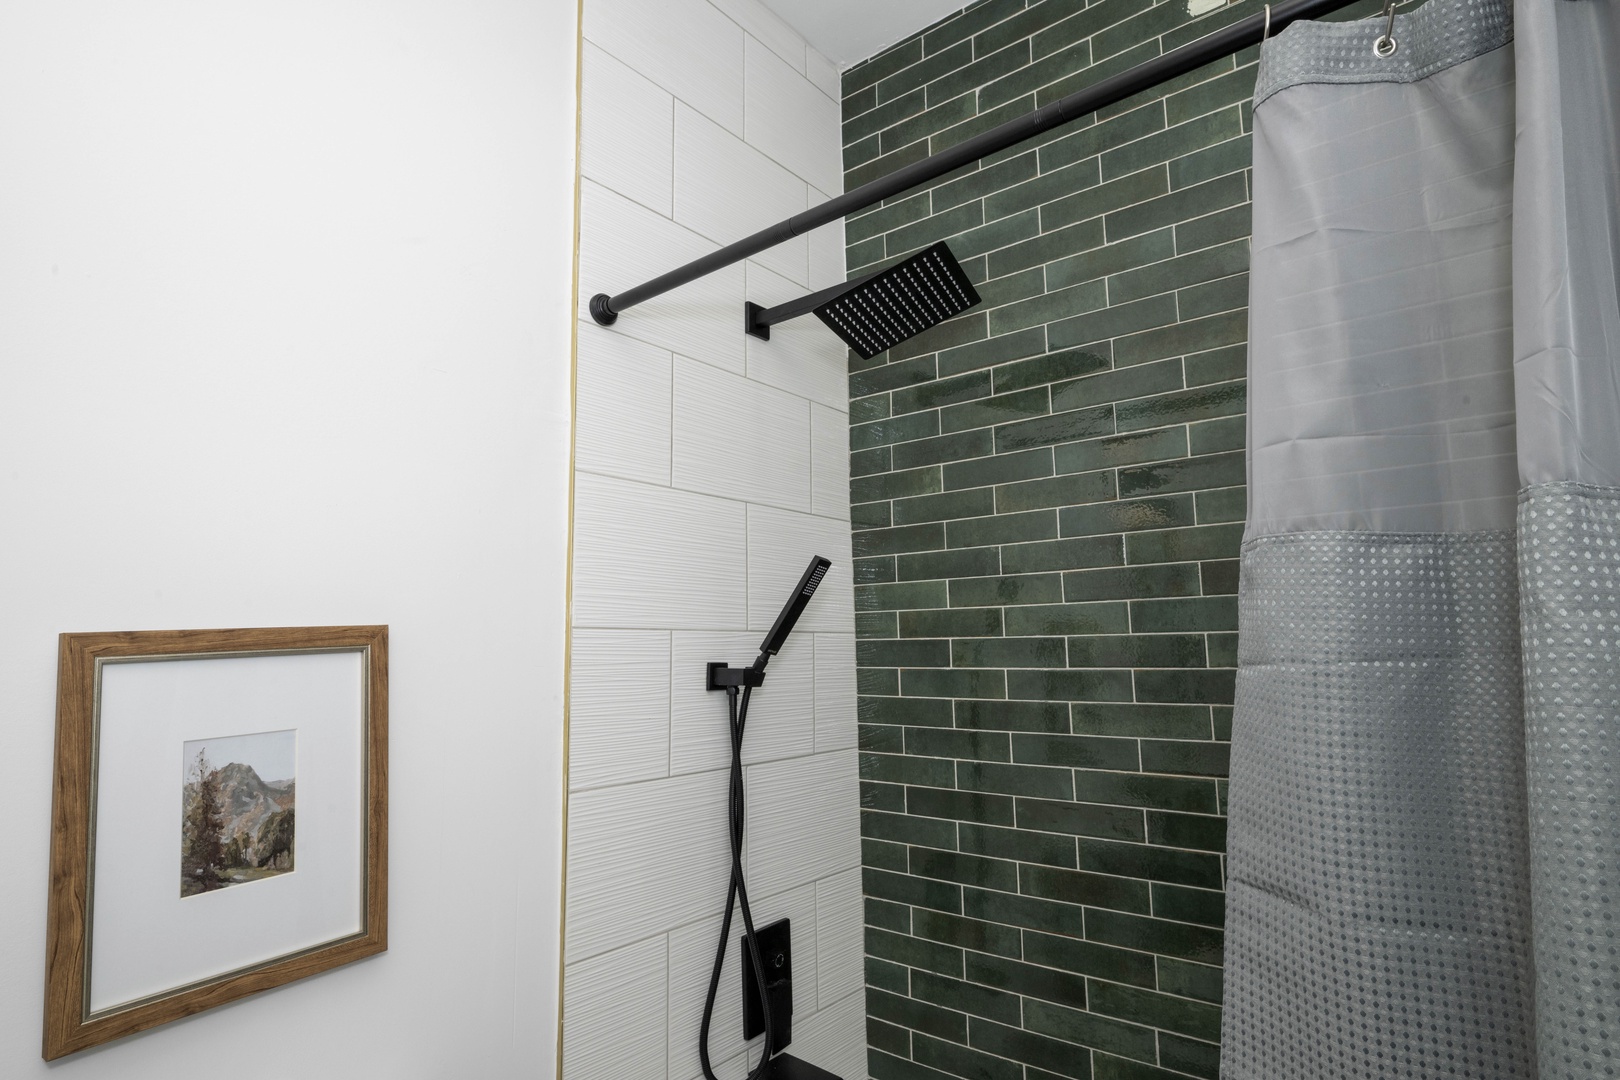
1240, 35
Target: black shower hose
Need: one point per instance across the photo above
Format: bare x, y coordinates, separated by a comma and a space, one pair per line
737, 893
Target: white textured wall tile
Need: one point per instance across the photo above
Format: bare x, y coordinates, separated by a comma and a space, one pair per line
614, 1009
691, 960
835, 1038
823, 74
726, 189
767, 26
791, 120
835, 692
626, 131
618, 715
780, 543
643, 858
829, 462
651, 558
803, 820
802, 357
826, 249
685, 46
840, 937
780, 716
623, 406
622, 244
740, 439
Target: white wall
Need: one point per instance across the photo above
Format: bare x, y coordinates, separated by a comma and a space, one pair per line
710, 466
284, 340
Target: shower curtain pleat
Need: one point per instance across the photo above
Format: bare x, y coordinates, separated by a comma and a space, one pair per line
1424, 840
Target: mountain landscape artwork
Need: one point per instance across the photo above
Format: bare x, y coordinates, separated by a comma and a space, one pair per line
238, 810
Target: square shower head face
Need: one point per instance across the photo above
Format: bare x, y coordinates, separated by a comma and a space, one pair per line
901, 302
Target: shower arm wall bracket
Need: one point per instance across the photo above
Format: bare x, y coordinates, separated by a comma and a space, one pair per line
758, 320
725, 677
1218, 43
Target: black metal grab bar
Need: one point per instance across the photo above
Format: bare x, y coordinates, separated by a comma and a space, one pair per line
1240, 35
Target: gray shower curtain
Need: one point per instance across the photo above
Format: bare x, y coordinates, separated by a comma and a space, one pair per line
1424, 853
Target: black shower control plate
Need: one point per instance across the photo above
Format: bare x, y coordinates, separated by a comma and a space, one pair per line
776, 954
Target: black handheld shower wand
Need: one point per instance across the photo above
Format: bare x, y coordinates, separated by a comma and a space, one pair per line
739, 684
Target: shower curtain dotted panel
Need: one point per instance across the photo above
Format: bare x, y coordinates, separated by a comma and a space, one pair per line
1423, 838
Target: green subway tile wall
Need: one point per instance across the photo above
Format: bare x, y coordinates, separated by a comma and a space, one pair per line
1047, 495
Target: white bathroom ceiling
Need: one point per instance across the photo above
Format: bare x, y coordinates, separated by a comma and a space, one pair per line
847, 31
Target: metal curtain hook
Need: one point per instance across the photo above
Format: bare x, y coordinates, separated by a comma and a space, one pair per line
1384, 44
1267, 33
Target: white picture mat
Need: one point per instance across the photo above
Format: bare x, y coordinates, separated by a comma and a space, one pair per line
146, 939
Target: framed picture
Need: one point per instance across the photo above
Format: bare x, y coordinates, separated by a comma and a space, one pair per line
220, 820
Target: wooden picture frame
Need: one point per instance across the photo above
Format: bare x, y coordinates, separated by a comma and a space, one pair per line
100, 700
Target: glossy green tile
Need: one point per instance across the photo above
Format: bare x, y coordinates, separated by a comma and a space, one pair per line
989, 67
890, 798
945, 391
1053, 305
1070, 685
908, 829
1054, 183
958, 622
1010, 288
1120, 385
1225, 294
1213, 687
1080, 819
1111, 197
1078, 751
1190, 794
1143, 721
1107, 259
870, 71
907, 769
885, 855
1126, 516
1215, 436
1195, 758
1221, 364
1054, 620
916, 891
867, 409
904, 712
1029, 980
1060, 491
1043, 783
1088, 958
975, 934
951, 332
963, 444
1230, 504
1173, 143
1223, 648
953, 683
1206, 906
1094, 139
972, 502
1041, 72
1028, 912
903, 653
1138, 651
1155, 863
895, 978
1049, 368
1109, 1067
999, 409
981, 807
869, 542
1189, 1056
866, 462
1021, 844
1191, 1018
1200, 943
938, 116
1176, 545
975, 870
1192, 474
1062, 554
1210, 228
954, 993
890, 1038
1223, 399
874, 571
900, 595
968, 22
924, 71
1090, 1029
876, 167
994, 234
1210, 95
916, 1015
1000, 349
1124, 582
893, 430
1233, 155
1199, 981
887, 915
984, 180
1052, 1055
1007, 652
1013, 716
881, 739
1165, 277
884, 116
1058, 428
962, 562
1002, 529
870, 516
883, 1066
1183, 614
999, 469
1176, 206
890, 214
858, 102
1100, 890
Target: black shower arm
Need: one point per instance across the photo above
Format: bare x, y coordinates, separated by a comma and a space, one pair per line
1230, 39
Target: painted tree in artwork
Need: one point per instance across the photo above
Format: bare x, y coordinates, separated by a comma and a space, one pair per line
202, 846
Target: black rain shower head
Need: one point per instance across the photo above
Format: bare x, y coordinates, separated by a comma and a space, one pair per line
882, 309
795, 606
